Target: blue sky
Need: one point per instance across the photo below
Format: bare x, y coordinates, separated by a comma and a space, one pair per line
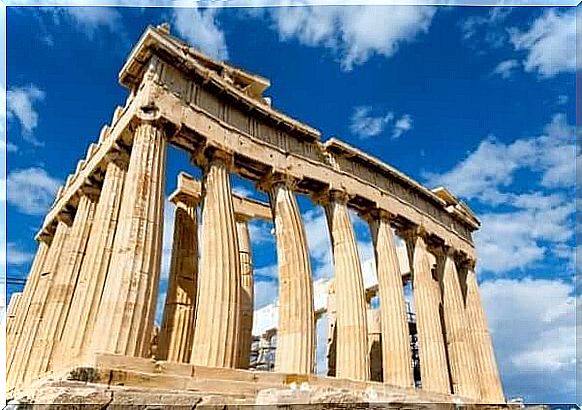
478, 99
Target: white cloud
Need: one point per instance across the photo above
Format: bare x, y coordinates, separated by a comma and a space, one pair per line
486, 26
506, 68
20, 106
88, 20
16, 256
31, 190
512, 235
516, 239
200, 28
402, 125
493, 164
535, 343
550, 43
354, 33
364, 124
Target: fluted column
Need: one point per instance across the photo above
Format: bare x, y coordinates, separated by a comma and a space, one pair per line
61, 290
457, 337
247, 292
22, 357
427, 301
126, 312
14, 340
12, 312
490, 387
352, 359
77, 336
176, 332
218, 294
396, 354
296, 327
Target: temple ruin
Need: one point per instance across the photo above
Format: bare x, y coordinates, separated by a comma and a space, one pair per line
86, 314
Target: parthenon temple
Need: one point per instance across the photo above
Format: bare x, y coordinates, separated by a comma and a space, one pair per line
86, 316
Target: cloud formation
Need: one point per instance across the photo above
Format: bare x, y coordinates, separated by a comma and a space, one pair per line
364, 124
31, 190
201, 29
535, 343
505, 69
353, 33
21, 107
512, 237
549, 43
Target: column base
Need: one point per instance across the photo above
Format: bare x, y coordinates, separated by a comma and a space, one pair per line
113, 379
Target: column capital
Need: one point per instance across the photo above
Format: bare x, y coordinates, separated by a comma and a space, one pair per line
274, 178
331, 195
377, 214
119, 156
90, 191
209, 155
412, 232
65, 217
46, 237
467, 262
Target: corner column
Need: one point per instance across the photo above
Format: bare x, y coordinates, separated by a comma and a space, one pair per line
12, 313
14, 340
126, 312
218, 295
396, 354
247, 292
459, 347
352, 360
427, 300
22, 357
296, 328
77, 336
62, 287
485, 363
176, 331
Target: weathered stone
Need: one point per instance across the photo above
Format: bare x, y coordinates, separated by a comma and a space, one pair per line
296, 329
427, 301
352, 361
77, 336
126, 311
176, 332
218, 299
396, 354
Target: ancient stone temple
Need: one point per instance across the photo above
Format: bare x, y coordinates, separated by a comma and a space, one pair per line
82, 329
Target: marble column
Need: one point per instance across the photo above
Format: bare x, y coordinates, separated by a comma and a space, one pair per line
22, 356
247, 292
296, 327
352, 361
490, 387
176, 331
126, 313
54, 314
77, 336
14, 340
396, 353
219, 278
434, 371
12, 313
457, 337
